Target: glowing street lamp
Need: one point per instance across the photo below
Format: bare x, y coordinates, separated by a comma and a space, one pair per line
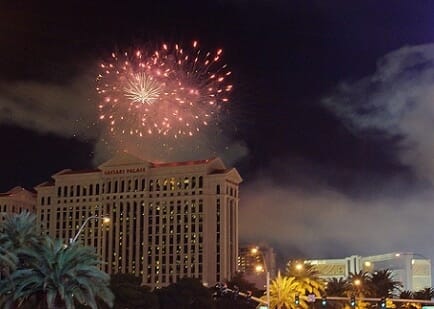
299, 266
263, 268
105, 220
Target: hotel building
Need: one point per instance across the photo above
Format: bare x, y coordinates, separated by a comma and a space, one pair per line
411, 269
254, 261
16, 200
167, 220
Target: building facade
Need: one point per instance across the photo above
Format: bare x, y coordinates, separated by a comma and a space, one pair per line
167, 220
254, 261
411, 269
16, 200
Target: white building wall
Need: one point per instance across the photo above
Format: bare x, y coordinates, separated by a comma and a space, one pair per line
167, 220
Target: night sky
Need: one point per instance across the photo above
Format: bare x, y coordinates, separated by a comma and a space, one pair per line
330, 122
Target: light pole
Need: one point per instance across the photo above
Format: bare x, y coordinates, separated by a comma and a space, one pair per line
261, 268
96, 217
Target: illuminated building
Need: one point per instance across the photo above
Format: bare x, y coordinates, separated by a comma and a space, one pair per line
16, 200
411, 269
168, 220
254, 261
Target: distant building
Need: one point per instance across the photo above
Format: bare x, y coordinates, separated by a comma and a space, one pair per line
17, 200
168, 220
254, 261
412, 269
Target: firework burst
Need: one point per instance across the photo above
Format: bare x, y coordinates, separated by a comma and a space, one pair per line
169, 91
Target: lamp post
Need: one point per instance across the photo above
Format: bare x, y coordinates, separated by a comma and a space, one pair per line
261, 268
96, 217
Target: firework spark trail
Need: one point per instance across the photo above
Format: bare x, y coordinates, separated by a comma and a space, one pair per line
170, 91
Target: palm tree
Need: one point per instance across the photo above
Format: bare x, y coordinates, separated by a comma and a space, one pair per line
307, 278
359, 287
130, 293
57, 275
408, 305
360, 284
20, 231
426, 293
406, 294
17, 231
282, 293
8, 261
45, 270
383, 285
337, 287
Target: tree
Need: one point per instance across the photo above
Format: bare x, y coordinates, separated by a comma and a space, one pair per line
426, 293
232, 300
8, 262
244, 285
408, 305
20, 231
383, 285
187, 293
360, 284
337, 287
49, 272
406, 294
17, 232
129, 293
283, 291
359, 287
307, 278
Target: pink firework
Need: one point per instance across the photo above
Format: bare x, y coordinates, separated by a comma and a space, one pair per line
169, 91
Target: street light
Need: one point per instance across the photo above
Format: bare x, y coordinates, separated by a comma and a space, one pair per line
105, 220
262, 268
299, 266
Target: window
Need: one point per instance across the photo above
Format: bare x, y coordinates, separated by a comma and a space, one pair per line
201, 182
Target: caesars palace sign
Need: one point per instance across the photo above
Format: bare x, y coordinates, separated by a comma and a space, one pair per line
125, 171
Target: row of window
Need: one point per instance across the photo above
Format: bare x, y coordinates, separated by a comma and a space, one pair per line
130, 185
15, 208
